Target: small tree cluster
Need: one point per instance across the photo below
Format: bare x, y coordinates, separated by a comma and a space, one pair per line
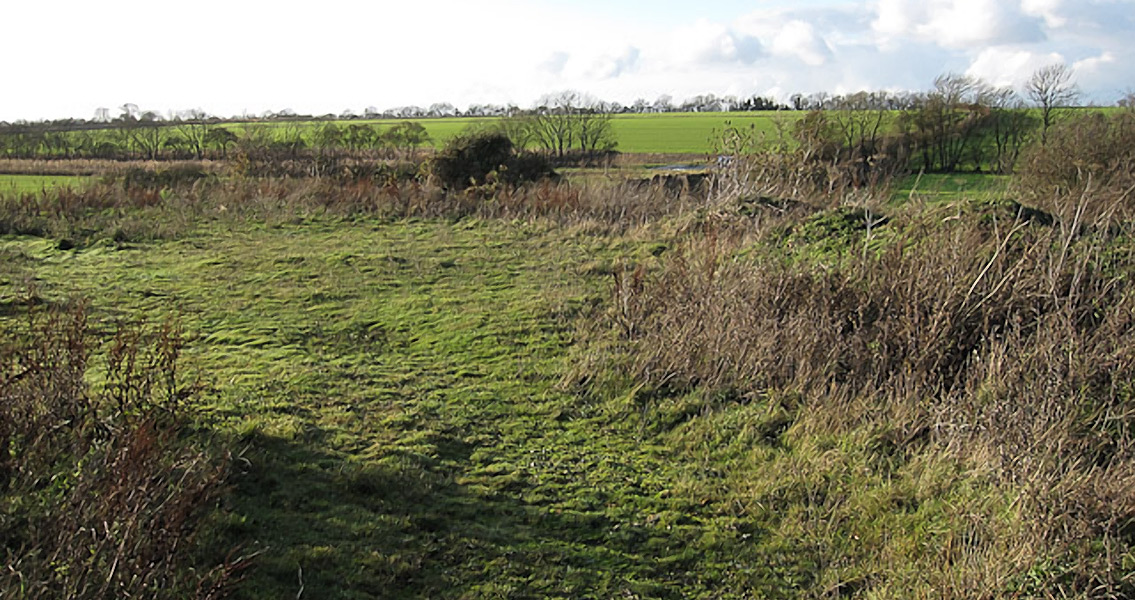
564, 125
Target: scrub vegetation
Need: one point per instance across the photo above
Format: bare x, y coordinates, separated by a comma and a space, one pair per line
817, 371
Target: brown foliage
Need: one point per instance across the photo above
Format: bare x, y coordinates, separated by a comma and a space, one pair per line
1086, 170
100, 491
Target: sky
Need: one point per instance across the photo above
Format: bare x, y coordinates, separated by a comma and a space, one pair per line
67, 58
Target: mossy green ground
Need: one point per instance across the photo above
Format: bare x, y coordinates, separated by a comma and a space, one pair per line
393, 392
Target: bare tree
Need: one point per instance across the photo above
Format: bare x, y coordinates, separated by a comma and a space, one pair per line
520, 129
860, 120
406, 137
948, 121
194, 129
1009, 126
1051, 88
569, 120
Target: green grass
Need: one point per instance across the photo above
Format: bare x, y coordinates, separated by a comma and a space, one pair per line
685, 133
951, 187
393, 390
19, 184
403, 400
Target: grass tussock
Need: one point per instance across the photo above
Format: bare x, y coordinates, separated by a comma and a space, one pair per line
101, 488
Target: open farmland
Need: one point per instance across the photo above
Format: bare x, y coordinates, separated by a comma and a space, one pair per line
657, 133
654, 133
687, 133
410, 379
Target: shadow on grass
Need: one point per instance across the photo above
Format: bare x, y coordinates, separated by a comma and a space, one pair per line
409, 525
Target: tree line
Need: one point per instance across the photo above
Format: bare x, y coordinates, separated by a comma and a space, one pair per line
961, 124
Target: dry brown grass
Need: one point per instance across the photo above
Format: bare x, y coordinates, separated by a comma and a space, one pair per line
137, 209
1003, 344
100, 491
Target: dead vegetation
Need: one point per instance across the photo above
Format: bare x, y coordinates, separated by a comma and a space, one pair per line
101, 490
977, 336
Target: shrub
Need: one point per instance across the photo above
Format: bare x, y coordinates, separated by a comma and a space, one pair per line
1005, 347
816, 166
482, 157
174, 176
1086, 168
101, 490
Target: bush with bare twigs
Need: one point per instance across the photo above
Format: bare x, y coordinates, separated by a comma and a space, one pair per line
101, 489
1003, 343
1086, 170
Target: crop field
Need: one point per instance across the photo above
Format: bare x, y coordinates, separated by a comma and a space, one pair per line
687, 133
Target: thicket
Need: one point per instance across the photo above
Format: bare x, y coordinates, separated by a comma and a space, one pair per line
102, 487
1085, 169
993, 341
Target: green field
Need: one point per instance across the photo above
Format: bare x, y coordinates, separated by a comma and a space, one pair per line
951, 186
19, 184
685, 133
662, 133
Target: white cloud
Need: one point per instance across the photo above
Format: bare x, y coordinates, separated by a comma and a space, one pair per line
710, 43
1009, 66
614, 65
1094, 64
555, 62
1049, 10
959, 24
799, 39
351, 53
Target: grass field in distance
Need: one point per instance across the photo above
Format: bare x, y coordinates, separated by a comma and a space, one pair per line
33, 183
